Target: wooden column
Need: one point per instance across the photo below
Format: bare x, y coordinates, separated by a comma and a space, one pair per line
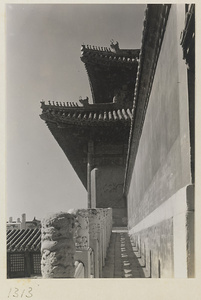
89, 168
94, 174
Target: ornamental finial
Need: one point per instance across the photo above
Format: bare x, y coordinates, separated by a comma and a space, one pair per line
114, 46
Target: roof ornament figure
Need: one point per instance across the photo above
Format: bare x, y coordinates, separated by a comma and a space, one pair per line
84, 102
114, 46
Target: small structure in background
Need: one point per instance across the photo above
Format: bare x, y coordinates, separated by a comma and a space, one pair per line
22, 224
23, 248
23, 253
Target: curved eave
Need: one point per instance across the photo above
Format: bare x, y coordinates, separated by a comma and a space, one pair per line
73, 133
74, 147
87, 117
108, 73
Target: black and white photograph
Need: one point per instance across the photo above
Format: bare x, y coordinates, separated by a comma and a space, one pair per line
100, 165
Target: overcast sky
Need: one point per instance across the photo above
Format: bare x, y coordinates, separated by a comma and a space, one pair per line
43, 62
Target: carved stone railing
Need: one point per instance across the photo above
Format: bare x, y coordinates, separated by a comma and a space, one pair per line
57, 246
79, 270
92, 240
79, 236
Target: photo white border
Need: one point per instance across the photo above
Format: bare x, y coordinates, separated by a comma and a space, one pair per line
118, 289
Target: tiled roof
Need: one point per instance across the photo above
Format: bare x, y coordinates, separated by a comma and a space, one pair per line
90, 114
21, 240
110, 71
104, 54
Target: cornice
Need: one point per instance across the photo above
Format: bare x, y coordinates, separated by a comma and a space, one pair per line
188, 38
95, 114
104, 55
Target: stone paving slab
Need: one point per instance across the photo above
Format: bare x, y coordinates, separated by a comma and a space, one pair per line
121, 260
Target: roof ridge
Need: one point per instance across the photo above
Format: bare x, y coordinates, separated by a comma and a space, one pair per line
59, 104
120, 55
88, 106
95, 48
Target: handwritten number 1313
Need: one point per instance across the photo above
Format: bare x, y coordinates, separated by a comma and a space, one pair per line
16, 293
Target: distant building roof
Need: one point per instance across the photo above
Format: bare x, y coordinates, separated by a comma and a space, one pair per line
24, 240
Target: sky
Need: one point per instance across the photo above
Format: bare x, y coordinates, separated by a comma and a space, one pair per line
43, 44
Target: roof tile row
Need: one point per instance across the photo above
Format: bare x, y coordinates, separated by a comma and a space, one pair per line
24, 240
103, 53
90, 116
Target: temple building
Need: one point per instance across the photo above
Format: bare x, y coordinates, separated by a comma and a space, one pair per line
95, 136
132, 146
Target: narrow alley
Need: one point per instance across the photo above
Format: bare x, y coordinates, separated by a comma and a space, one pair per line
122, 260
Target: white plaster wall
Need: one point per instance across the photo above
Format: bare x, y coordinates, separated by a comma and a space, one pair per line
161, 174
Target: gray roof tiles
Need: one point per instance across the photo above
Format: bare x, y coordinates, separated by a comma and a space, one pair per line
23, 240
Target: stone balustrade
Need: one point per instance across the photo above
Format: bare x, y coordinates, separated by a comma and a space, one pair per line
79, 236
57, 246
79, 270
